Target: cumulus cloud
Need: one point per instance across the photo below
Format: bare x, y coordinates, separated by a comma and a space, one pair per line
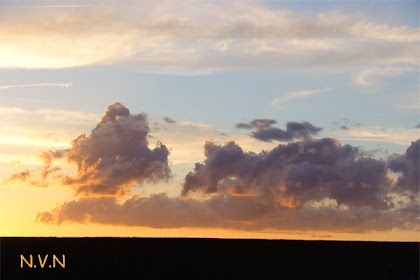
306, 185
264, 131
115, 156
296, 172
408, 166
173, 36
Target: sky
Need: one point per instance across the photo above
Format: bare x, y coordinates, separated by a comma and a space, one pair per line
226, 119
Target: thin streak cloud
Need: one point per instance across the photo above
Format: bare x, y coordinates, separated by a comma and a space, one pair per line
368, 77
300, 94
52, 6
62, 85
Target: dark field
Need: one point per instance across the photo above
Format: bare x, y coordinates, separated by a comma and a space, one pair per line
182, 258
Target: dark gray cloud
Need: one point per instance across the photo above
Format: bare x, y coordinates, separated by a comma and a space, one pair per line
306, 185
256, 124
169, 120
417, 126
343, 127
408, 166
114, 156
264, 131
294, 173
311, 184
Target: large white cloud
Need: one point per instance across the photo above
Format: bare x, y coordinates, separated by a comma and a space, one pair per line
195, 35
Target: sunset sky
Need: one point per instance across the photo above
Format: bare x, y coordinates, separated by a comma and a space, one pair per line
239, 119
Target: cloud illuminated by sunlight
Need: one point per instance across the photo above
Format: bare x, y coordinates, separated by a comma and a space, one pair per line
190, 36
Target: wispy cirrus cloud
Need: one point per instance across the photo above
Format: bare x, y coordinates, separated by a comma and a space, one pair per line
62, 85
371, 76
299, 94
50, 115
399, 136
23, 131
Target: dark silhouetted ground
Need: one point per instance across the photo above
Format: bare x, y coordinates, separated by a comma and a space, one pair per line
189, 258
